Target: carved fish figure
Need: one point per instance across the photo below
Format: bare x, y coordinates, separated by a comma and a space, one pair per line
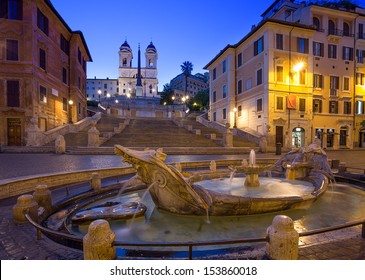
170, 191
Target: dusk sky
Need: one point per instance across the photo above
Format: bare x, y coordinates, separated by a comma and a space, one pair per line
193, 30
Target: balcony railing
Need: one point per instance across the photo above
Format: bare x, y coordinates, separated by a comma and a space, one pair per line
338, 32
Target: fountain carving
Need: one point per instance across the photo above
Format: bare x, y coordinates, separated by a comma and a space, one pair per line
172, 192
251, 169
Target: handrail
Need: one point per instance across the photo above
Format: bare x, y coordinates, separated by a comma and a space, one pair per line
193, 244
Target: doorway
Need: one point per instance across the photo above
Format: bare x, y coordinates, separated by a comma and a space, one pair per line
279, 133
298, 137
14, 132
362, 138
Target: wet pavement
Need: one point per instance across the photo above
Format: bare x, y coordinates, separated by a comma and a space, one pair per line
20, 241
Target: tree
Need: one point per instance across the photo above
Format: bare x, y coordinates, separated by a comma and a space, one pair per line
186, 68
200, 101
166, 95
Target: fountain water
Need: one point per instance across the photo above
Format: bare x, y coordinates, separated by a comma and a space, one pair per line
170, 193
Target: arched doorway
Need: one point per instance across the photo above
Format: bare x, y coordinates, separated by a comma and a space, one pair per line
298, 137
362, 138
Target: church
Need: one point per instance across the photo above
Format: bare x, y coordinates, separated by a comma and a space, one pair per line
137, 81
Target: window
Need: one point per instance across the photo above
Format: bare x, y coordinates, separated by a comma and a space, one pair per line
11, 9
239, 111
258, 46
64, 75
280, 103
239, 87
239, 59
360, 79
347, 107
332, 51
318, 49
248, 84
214, 73
224, 114
333, 107
42, 59
347, 53
360, 107
302, 74
361, 31
214, 96
12, 50
279, 42
43, 94
42, 22
259, 77
303, 45
13, 93
279, 73
346, 29
259, 105
317, 106
316, 23
334, 85
360, 54
346, 84
79, 55
64, 104
65, 45
214, 116
302, 104
331, 28
224, 66
224, 90
317, 81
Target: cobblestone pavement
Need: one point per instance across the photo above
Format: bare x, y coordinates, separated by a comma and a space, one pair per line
20, 241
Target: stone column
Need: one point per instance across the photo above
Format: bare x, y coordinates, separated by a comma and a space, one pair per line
283, 239
98, 242
35, 136
228, 137
213, 166
95, 181
60, 145
42, 195
25, 202
93, 137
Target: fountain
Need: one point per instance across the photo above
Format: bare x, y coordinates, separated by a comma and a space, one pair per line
251, 169
175, 204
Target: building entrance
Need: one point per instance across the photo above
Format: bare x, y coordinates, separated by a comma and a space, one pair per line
298, 137
14, 132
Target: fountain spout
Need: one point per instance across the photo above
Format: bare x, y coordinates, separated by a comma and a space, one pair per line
252, 158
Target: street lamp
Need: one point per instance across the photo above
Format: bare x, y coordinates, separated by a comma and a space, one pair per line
173, 101
235, 112
108, 96
99, 92
70, 103
128, 96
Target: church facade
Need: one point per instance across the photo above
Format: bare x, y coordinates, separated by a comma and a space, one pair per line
137, 81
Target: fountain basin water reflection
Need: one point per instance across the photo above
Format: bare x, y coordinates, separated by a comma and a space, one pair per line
269, 187
162, 226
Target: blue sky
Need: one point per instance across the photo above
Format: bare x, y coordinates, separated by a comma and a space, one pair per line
193, 30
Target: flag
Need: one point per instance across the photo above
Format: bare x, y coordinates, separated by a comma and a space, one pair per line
291, 102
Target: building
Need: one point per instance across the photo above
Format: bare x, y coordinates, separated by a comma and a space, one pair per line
138, 81
298, 76
195, 83
99, 89
43, 70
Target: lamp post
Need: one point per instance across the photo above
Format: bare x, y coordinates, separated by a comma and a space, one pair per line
128, 96
173, 101
99, 93
108, 96
70, 103
235, 113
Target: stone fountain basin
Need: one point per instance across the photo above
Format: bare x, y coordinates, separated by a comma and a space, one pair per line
221, 204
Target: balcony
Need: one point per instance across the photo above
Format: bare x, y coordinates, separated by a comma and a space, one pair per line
333, 92
340, 33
